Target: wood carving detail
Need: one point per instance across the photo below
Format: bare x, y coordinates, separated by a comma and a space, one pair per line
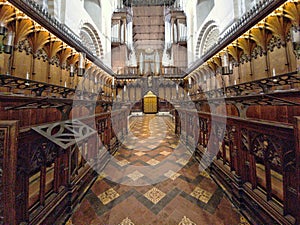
257, 51
24, 45
266, 147
274, 42
245, 140
44, 154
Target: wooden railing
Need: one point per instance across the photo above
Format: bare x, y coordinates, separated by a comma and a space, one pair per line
256, 161
47, 178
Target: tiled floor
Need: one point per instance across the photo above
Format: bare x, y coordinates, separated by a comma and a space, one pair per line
170, 191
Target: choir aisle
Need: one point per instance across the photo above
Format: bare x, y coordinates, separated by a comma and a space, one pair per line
153, 180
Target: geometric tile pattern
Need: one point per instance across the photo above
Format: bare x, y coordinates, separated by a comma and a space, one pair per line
135, 175
187, 196
108, 196
201, 194
126, 221
101, 176
186, 221
182, 161
165, 153
124, 162
172, 175
153, 162
154, 195
139, 153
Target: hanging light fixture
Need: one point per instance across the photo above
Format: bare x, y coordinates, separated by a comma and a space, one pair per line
8, 42
81, 64
3, 29
72, 70
226, 65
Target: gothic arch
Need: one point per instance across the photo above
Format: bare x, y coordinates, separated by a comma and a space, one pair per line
90, 38
207, 37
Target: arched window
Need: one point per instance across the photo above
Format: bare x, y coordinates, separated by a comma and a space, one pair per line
88, 41
207, 38
91, 39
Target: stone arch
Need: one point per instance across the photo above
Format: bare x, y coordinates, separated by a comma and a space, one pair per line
208, 36
90, 38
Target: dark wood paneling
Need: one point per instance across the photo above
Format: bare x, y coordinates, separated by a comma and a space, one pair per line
8, 167
34, 153
245, 143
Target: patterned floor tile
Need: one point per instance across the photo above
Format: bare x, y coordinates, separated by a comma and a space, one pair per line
153, 162
182, 161
108, 196
201, 194
154, 195
139, 153
165, 153
135, 175
126, 221
172, 175
123, 162
152, 146
186, 221
101, 176
187, 200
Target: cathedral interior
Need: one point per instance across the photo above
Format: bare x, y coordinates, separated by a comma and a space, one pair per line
145, 112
